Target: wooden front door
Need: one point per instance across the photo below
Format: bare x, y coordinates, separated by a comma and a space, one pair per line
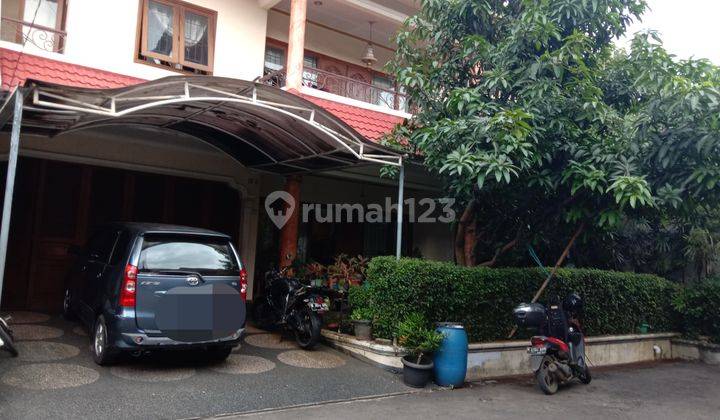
60, 221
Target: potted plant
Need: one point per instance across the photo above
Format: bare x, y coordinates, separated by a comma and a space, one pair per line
420, 341
362, 323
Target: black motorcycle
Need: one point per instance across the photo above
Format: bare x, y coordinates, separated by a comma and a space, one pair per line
6, 338
292, 304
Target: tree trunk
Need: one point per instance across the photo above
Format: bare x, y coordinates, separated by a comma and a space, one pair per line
462, 238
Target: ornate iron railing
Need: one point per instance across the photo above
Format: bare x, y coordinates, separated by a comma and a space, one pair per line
343, 86
42, 37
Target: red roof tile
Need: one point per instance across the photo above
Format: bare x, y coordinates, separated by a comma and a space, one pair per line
14, 72
371, 124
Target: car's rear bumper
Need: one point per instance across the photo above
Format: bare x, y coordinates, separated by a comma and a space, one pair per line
140, 340
124, 335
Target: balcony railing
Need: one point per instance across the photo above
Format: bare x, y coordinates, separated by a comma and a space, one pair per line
42, 37
342, 86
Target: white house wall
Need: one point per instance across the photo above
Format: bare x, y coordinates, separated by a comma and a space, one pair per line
102, 34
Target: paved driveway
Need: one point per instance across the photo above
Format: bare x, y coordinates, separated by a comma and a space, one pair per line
665, 391
55, 377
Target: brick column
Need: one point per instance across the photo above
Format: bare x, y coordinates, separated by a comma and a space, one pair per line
289, 232
296, 44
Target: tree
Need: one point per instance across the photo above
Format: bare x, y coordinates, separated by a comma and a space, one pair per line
538, 125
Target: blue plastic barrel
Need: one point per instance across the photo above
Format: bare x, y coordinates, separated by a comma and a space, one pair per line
451, 358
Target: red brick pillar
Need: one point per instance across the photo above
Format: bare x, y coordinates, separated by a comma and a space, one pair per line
296, 44
289, 232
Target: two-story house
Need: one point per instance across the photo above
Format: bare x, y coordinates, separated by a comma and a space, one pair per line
193, 112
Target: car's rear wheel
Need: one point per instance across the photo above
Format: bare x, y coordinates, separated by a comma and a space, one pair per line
103, 352
67, 307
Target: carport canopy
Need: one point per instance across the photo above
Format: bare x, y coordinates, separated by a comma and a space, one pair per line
262, 127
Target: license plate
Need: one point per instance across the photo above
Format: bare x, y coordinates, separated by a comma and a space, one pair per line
536, 350
318, 307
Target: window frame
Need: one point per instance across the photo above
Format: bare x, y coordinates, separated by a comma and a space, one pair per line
177, 56
58, 30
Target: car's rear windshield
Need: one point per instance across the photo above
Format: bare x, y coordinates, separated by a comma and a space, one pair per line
200, 254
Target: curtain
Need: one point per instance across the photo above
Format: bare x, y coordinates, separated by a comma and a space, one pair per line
160, 28
196, 38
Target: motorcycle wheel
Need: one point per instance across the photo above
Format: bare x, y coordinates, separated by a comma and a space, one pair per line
585, 376
7, 339
307, 334
547, 382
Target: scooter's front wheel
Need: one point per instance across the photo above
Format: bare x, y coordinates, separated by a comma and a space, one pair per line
585, 375
547, 382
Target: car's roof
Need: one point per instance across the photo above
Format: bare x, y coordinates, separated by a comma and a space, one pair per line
141, 228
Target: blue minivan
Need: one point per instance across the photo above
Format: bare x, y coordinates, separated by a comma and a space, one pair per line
140, 287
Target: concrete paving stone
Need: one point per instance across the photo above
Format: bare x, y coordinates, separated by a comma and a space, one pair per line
311, 359
79, 330
45, 376
35, 332
26, 317
238, 364
44, 351
271, 341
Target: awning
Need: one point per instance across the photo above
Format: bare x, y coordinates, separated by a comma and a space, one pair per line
260, 126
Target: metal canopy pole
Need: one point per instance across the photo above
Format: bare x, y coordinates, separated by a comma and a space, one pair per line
401, 187
10, 183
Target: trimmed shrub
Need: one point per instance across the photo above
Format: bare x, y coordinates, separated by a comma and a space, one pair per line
699, 307
483, 298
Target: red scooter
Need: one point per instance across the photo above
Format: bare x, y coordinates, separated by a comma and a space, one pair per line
558, 355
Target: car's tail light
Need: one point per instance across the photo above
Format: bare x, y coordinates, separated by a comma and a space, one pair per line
129, 283
243, 284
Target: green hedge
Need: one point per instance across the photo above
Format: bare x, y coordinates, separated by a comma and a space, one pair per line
699, 305
483, 298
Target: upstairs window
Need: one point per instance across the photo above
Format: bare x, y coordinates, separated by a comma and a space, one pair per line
177, 35
37, 22
274, 59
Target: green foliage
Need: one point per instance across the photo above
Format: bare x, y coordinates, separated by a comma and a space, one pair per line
415, 334
483, 298
528, 106
699, 305
702, 249
362, 314
359, 296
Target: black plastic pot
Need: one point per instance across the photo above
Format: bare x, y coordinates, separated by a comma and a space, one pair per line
417, 375
363, 330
